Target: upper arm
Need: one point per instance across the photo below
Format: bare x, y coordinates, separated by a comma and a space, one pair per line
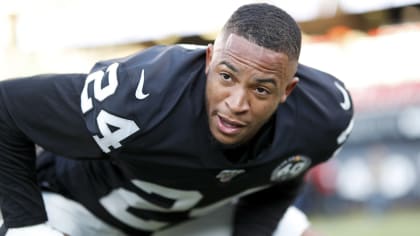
260, 212
325, 109
46, 109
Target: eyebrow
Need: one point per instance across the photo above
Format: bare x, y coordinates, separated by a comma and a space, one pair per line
230, 66
259, 80
269, 80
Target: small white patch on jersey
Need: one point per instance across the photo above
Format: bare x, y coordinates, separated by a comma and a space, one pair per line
191, 46
227, 175
290, 168
139, 91
346, 103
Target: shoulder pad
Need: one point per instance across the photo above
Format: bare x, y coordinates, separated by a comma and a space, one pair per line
125, 97
324, 112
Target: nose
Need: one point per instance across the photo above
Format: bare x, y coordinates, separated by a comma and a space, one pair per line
237, 102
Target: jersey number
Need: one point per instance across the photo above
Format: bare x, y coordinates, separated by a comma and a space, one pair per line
121, 202
113, 129
118, 202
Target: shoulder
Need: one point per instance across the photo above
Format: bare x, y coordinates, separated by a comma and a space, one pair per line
324, 95
135, 93
323, 112
157, 70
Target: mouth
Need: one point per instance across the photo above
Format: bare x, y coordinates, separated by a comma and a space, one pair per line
229, 126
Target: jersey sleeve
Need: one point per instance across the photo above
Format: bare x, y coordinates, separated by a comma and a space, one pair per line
324, 113
123, 99
42, 110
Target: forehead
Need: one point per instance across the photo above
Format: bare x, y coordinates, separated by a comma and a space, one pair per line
250, 53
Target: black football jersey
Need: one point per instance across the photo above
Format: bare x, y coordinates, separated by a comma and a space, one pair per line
131, 141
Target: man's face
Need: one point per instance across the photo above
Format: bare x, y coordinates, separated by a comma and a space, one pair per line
245, 85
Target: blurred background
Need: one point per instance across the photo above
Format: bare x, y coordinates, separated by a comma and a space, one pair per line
372, 187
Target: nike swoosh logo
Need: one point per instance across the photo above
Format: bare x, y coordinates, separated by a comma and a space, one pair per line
346, 133
139, 91
346, 103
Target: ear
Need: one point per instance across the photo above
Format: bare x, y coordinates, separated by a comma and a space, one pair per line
289, 88
209, 54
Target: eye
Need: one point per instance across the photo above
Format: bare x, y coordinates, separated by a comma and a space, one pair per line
225, 77
262, 91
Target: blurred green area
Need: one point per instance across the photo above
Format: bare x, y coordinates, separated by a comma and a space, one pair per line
398, 222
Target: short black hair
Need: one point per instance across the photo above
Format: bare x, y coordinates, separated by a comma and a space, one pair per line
267, 26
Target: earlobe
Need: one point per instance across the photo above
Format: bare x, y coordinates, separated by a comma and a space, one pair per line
209, 54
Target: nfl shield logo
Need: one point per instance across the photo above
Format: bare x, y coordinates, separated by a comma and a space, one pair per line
227, 175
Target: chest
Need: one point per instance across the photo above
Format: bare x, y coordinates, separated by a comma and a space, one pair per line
170, 174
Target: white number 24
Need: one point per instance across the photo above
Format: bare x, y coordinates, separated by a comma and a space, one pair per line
124, 127
119, 202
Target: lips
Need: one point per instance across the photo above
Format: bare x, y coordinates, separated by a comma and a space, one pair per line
229, 126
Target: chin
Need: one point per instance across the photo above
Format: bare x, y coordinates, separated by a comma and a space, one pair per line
226, 141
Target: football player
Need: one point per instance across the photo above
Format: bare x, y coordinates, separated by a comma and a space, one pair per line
145, 142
